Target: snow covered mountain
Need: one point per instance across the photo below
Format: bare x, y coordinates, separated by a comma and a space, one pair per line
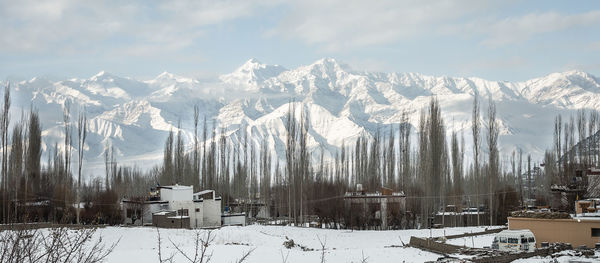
135, 116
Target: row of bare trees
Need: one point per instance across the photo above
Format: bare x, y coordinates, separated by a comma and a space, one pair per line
432, 171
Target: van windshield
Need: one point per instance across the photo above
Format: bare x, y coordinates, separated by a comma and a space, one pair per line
531, 240
523, 240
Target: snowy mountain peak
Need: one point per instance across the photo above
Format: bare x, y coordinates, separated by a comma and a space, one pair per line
101, 74
165, 75
251, 74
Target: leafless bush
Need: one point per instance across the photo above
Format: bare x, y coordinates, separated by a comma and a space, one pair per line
55, 245
201, 244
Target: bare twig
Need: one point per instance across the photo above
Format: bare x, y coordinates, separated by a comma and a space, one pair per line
160, 259
323, 244
364, 259
284, 259
246, 255
200, 250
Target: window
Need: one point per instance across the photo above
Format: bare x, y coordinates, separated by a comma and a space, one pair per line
129, 212
596, 232
513, 240
531, 240
197, 210
183, 212
502, 239
523, 240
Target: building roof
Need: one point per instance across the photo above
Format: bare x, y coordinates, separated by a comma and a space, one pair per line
203, 192
162, 213
176, 187
178, 217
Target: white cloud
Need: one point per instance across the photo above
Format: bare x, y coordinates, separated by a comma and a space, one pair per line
67, 25
343, 24
350, 24
516, 29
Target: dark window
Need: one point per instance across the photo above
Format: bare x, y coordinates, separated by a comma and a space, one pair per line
197, 210
502, 240
531, 240
513, 240
596, 232
129, 212
523, 240
183, 212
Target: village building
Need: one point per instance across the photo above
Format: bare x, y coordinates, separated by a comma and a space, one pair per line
579, 229
380, 209
451, 216
174, 206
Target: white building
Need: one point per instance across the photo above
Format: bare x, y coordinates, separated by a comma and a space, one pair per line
202, 208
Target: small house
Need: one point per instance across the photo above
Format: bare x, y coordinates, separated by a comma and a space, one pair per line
174, 206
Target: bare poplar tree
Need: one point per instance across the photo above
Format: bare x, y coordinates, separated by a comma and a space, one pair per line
15, 167
557, 138
520, 176
591, 145
196, 164
582, 133
81, 135
204, 170
167, 173
33, 152
475, 129
4, 122
492, 141
67, 149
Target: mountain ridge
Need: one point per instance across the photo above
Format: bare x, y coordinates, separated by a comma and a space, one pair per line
136, 115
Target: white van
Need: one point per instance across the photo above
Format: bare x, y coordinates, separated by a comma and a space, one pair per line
514, 240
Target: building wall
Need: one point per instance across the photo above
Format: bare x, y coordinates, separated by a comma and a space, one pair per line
171, 221
558, 230
234, 220
147, 210
212, 212
176, 193
198, 219
190, 206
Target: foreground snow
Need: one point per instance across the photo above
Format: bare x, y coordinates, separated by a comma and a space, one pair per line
140, 244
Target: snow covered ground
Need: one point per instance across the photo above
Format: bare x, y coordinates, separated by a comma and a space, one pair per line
140, 244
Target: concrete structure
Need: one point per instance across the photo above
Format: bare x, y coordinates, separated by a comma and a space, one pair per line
202, 209
582, 229
170, 219
375, 205
467, 217
233, 219
210, 207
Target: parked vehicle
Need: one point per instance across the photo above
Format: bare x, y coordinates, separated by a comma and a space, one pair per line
514, 240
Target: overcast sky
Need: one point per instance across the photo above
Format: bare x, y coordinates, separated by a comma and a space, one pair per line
503, 40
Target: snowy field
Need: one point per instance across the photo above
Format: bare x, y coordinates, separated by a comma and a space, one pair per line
140, 244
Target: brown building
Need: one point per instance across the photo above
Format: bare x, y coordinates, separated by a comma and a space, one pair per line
170, 219
582, 229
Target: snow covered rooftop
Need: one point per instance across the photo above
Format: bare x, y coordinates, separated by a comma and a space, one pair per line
203, 192
176, 187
